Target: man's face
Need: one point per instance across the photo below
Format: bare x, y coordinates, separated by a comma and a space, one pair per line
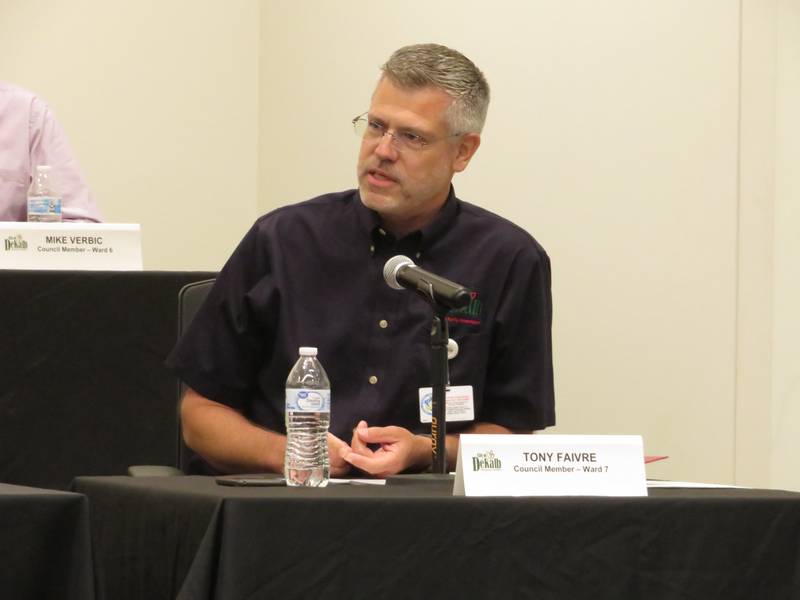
408, 187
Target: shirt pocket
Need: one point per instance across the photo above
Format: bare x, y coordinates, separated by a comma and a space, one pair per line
470, 365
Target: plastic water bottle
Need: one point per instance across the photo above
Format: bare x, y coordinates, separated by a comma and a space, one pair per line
44, 200
308, 412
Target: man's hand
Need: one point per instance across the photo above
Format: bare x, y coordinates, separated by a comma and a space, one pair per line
399, 450
336, 448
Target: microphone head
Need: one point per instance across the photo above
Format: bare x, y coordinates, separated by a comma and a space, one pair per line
392, 266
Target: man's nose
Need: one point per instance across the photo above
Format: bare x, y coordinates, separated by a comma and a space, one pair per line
386, 149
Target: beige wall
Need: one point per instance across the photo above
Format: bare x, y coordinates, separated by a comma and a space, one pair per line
785, 417
160, 101
649, 146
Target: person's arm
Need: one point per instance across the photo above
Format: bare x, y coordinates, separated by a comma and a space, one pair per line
226, 439
231, 443
49, 146
401, 450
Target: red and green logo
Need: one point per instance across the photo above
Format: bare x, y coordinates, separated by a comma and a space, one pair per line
469, 315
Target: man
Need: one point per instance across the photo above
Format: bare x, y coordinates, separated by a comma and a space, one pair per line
311, 275
30, 136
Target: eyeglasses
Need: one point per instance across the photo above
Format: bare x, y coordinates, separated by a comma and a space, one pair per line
369, 129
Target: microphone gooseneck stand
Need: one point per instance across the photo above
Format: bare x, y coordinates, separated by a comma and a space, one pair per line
443, 295
440, 378
440, 375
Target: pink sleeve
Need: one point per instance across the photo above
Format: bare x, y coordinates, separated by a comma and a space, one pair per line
49, 146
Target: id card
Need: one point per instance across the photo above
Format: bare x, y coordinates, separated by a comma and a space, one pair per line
459, 404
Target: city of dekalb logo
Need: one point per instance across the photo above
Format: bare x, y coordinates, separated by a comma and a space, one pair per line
15, 242
485, 461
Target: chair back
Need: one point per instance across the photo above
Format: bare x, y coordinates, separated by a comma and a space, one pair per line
190, 299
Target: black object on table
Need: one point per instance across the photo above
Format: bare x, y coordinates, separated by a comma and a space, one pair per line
45, 550
190, 538
83, 387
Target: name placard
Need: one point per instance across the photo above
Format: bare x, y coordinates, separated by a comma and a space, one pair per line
71, 246
550, 465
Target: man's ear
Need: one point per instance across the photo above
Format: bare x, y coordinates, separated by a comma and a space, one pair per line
467, 146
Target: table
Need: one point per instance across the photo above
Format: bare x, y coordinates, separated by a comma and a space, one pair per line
83, 387
189, 538
45, 549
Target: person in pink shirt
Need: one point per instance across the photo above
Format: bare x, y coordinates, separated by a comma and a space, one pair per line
31, 136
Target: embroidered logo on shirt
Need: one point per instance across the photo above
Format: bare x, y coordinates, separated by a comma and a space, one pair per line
470, 314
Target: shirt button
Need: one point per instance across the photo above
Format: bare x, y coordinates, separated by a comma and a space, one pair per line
418, 254
373, 380
383, 323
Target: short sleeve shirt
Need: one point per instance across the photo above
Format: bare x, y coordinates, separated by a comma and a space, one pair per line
311, 274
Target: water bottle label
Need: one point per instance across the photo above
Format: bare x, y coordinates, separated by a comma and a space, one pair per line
44, 205
308, 400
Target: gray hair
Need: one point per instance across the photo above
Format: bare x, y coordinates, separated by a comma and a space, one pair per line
423, 65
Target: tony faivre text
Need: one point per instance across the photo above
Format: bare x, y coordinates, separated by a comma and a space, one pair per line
560, 462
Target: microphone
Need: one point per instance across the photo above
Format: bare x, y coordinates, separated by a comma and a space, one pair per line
401, 272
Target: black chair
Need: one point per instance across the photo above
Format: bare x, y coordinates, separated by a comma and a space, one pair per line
190, 298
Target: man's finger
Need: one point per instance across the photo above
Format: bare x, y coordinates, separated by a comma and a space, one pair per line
337, 447
377, 464
339, 470
357, 444
379, 435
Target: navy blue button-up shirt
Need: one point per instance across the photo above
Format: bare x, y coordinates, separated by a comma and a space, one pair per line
310, 274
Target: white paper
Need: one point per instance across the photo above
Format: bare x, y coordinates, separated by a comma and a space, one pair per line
651, 483
357, 481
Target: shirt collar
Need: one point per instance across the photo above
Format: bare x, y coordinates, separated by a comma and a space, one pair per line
442, 221
370, 221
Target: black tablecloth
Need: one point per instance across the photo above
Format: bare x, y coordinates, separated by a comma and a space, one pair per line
192, 539
83, 388
45, 551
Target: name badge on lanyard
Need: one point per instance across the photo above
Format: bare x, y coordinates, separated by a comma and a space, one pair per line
459, 403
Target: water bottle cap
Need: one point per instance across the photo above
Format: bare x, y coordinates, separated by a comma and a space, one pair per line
308, 351
43, 168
